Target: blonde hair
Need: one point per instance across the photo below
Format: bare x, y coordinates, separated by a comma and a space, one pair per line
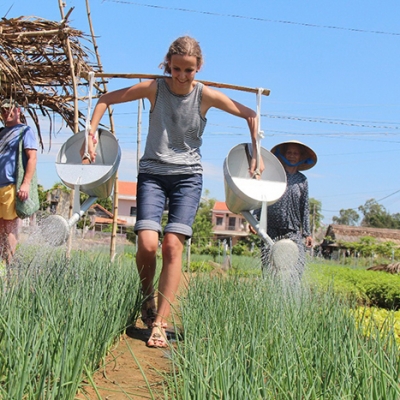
183, 46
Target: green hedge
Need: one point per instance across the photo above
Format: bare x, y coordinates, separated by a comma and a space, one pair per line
373, 288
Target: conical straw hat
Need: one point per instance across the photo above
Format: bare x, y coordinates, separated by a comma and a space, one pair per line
309, 157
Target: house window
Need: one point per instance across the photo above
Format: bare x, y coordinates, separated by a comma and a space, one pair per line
219, 221
231, 223
133, 212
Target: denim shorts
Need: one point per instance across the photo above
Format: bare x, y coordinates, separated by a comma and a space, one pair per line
178, 194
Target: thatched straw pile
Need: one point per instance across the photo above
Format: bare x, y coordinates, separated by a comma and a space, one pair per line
393, 268
38, 62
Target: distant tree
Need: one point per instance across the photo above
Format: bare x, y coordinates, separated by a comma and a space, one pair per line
347, 217
386, 249
396, 220
315, 213
375, 215
42, 198
106, 203
366, 246
60, 186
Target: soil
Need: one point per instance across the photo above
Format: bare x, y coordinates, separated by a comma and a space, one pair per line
127, 367
131, 367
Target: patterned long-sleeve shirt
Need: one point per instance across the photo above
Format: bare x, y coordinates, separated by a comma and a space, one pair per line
291, 212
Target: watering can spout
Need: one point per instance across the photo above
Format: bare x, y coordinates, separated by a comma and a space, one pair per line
256, 226
79, 210
55, 229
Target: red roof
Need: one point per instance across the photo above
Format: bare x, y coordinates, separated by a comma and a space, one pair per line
127, 188
101, 208
102, 220
220, 206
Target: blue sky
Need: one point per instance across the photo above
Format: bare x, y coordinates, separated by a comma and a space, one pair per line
332, 68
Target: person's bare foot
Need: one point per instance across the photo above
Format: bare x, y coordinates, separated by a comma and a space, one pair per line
158, 338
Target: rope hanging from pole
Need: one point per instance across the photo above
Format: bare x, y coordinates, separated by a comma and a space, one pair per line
88, 115
260, 133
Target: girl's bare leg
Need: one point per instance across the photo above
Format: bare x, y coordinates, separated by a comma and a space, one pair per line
146, 259
172, 249
168, 285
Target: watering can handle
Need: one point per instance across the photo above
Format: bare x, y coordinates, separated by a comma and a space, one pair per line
260, 133
90, 97
86, 157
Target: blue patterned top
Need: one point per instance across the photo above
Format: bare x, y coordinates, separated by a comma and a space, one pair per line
290, 214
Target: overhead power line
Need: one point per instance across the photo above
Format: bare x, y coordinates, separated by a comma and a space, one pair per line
391, 194
355, 209
334, 121
279, 21
331, 121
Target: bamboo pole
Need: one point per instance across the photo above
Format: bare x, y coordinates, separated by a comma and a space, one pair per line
51, 32
61, 5
265, 92
113, 242
139, 134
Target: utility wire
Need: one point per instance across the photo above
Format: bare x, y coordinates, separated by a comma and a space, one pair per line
330, 121
355, 209
215, 14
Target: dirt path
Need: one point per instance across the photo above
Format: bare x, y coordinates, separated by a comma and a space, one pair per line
120, 378
130, 364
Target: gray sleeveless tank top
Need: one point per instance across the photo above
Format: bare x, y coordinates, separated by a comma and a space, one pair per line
175, 133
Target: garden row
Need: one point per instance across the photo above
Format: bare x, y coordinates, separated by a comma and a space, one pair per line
244, 337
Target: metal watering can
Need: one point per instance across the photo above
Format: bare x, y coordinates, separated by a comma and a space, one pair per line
244, 194
96, 180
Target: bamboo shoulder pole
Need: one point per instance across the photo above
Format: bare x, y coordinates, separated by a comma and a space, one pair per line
265, 92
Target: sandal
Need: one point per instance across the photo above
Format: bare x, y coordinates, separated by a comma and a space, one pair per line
158, 338
149, 311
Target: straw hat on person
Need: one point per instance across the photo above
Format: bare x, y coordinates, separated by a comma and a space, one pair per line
308, 160
7, 103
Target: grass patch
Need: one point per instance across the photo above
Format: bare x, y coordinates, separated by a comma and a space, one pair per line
251, 339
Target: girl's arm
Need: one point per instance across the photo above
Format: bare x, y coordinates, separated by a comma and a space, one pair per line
142, 90
217, 99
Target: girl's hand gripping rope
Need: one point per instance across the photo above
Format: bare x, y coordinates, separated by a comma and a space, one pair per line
89, 156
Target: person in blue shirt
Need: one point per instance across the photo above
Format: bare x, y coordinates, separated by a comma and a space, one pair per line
9, 142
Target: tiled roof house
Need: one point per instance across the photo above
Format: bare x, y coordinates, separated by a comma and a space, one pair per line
127, 201
226, 224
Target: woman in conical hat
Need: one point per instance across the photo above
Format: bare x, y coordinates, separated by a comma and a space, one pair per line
289, 217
